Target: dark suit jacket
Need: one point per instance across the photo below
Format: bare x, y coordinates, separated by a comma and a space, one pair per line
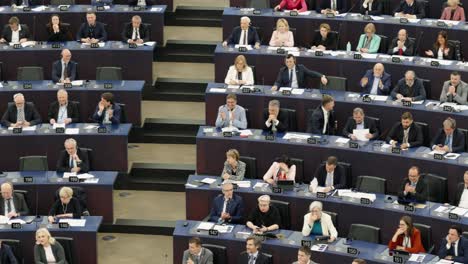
234, 207
115, 119
135, 2
458, 140
261, 259
97, 32
6, 255
458, 194
282, 80
57, 70
421, 191
63, 163
30, 114
386, 80
316, 122
462, 250
449, 56
23, 33
377, 8
324, 4
419, 93
409, 44
235, 36
339, 177
73, 207
63, 35
415, 137
128, 32
417, 9
283, 119
20, 204
329, 42
57, 250
72, 111
368, 123
29, 2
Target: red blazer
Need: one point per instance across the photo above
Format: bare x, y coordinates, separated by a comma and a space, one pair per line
458, 16
300, 5
416, 244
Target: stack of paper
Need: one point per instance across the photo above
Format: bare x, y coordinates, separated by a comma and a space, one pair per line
38, 9
443, 209
242, 184
191, 185
261, 185
369, 56
208, 130
246, 132
74, 222
297, 91
459, 211
450, 22
205, 226
58, 125
357, 195
155, 9
16, 220
381, 98
77, 83
342, 141
452, 156
360, 134
233, 86
72, 131
281, 89
85, 176
229, 129
290, 135
218, 90
377, 18
208, 180
319, 247
417, 257
224, 228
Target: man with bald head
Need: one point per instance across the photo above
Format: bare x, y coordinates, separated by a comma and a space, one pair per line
63, 111
73, 159
135, 32
401, 45
410, 88
20, 113
12, 204
64, 70
376, 81
243, 35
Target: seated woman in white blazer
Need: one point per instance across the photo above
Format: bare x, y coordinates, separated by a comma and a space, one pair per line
281, 169
240, 72
318, 223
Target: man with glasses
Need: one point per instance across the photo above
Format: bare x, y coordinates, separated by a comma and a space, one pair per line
227, 207
12, 204
20, 113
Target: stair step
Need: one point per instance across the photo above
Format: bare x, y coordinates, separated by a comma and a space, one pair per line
160, 176
139, 226
195, 16
177, 89
187, 51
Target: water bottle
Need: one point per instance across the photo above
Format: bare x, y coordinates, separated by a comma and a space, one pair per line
348, 48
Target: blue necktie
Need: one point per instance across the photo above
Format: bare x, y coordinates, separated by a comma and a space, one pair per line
290, 77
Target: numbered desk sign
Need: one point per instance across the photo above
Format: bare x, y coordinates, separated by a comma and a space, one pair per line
27, 85
28, 179
306, 243
63, 225
213, 232
407, 103
321, 195
352, 251
242, 49
60, 130
94, 45
276, 190
270, 137
63, 8
108, 86
227, 134
293, 13
16, 226
132, 46
67, 85
102, 130
56, 45
73, 179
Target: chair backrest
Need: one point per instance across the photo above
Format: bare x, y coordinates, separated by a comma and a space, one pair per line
283, 208
292, 126
437, 188
30, 73
425, 130
24, 193
62, 2
383, 44
269, 257
457, 49
33, 163
254, 73
332, 33
415, 45
15, 246
247, 117
299, 169
78, 106
250, 167
334, 217
387, 7
465, 133
427, 88
335, 83
219, 253
426, 236
123, 113
377, 122
260, 34
348, 173
68, 248
90, 157
371, 184
108, 73
1, 72
365, 233
465, 234
258, 4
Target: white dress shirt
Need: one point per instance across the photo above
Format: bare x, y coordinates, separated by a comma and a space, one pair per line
49, 254
440, 54
136, 32
464, 199
329, 179
241, 39
375, 85
247, 75
141, 3
325, 120
12, 205
294, 83
62, 114
15, 35
455, 247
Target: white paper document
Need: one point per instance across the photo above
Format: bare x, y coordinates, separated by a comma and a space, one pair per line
369, 56
191, 185
360, 134
85, 176
290, 135
298, 91
208, 180
377, 18
229, 129
246, 132
319, 247
218, 90
16, 220
248, 47
94, 180
205, 226
342, 140
417, 257
459, 211
74, 222
77, 83
55, 125
261, 185
38, 9
452, 156
281, 89
443, 209
224, 228
150, 43
28, 44
155, 9
208, 130
72, 131
29, 128
101, 44
242, 184
3, 220
357, 195
420, 102
381, 98
233, 86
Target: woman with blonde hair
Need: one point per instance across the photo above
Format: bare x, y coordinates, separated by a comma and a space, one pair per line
240, 72
369, 42
282, 37
453, 11
65, 207
47, 249
234, 169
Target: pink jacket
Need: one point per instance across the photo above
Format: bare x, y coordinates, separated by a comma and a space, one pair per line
300, 5
458, 16
278, 38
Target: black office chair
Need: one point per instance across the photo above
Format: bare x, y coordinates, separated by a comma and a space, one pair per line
365, 233
371, 184
80, 194
334, 217
283, 208
425, 130
260, 34
254, 73
427, 88
269, 257
68, 248
247, 117
387, 7
16, 248
465, 234
465, 132
250, 167
292, 126
62, 2
335, 83
437, 188
378, 124
24, 193
108, 73
30, 73
427, 8
383, 48
1, 72
78, 105
457, 49
123, 113
299, 169
90, 157
219, 253
426, 236
33, 163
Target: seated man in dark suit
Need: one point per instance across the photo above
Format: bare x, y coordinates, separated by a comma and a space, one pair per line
413, 188
107, 111
227, 208
331, 6
12, 204
293, 75
454, 246
275, 118
6, 254
196, 254
140, 2
406, 133
252, 253
401, 45
64, 70
15, 3
73, 159
20, 114
63, 111
371, 7
360, 121
243, 35
322, 119
331, 175
376, 81
449, 138
135, 32
410, 9
409, 88
461, 196
303, 256
264, 217
15, 32
92, 31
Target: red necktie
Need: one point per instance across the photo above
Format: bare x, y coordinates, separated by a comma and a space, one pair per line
400, 52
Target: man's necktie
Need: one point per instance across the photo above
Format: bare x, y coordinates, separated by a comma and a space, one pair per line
137, 34
447, 140
290, 77
405, 136
20, 115
329, 180
65, 71
245, 37
251, 259
451, 250
400, 52
71, 163
8, 205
